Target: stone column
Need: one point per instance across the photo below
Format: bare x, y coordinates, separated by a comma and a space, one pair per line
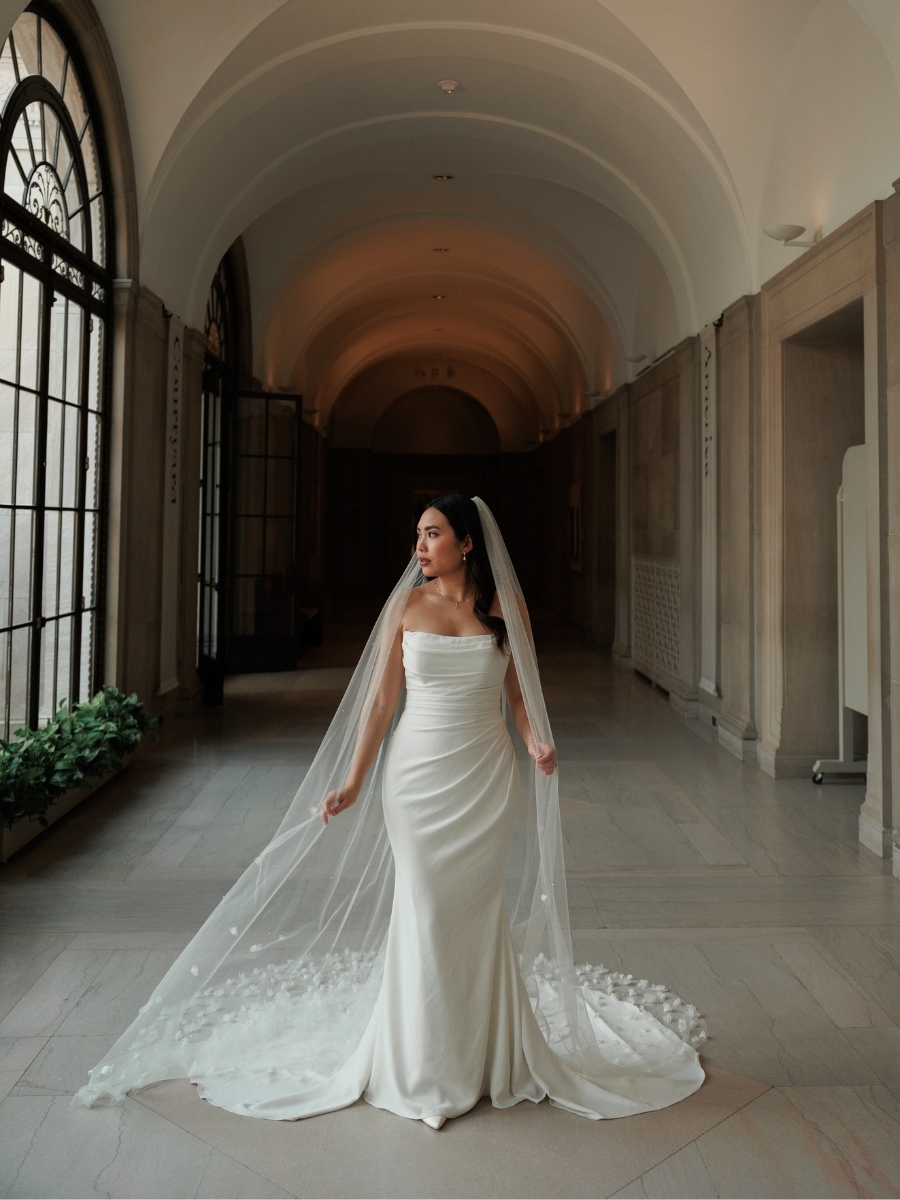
125, 293
140, 525
737, 544
683, 694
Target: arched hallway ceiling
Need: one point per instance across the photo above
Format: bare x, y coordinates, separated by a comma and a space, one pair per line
357, 292
614, 163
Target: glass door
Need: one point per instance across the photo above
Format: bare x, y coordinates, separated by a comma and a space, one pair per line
263, 576
213, 527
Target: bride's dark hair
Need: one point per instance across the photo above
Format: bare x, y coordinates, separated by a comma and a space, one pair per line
462, 515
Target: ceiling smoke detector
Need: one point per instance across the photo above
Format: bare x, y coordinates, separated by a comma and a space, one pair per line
448, 86
443, 178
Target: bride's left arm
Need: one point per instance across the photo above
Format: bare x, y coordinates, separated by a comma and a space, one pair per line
543, 753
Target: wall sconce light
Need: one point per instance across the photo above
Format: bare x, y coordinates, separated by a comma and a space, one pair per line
788, 234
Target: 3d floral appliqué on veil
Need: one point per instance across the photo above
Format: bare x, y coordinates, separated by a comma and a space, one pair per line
416, 951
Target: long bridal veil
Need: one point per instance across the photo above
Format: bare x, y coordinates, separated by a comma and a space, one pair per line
282, 978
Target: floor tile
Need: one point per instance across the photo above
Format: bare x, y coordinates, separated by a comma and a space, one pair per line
112, 1000
779, 840
362, 1151
149, 939
24, 957
17, 1054
684, 1174
54, 995
626, 837
881, 1050
181, 836
49, 1147
871, 956
714, 848
842, 999
812, 901
798, 1142
62, 1065
225, 1179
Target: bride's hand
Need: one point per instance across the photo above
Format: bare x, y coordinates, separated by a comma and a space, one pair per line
339, 799
544, 757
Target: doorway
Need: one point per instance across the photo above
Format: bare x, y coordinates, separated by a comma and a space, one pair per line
824, 415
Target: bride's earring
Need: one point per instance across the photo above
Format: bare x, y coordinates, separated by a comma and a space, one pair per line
464, 558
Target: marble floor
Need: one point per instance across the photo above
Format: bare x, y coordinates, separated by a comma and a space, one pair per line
750, 897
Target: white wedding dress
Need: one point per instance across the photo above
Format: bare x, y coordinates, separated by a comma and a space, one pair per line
452, 1020
416, 952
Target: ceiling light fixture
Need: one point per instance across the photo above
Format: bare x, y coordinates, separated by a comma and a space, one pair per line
448, 86
438, 296
788, 234
635, 358
440, 250
443, 178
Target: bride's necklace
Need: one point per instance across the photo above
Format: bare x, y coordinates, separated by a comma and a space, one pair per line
455, 603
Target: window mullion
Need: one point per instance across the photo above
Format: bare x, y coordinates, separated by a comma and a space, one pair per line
80, 503
40, 497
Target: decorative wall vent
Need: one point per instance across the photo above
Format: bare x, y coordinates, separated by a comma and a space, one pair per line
655, 591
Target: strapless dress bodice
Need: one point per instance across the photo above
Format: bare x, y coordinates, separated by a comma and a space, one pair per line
456, 676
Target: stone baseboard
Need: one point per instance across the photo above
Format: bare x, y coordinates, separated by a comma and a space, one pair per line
877, 839
622, 659
743, 748
785, 766
684, 708
25, 831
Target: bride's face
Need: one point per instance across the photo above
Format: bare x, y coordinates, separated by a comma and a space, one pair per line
437, 548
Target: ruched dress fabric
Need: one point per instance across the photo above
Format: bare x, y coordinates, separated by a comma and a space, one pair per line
453, 1021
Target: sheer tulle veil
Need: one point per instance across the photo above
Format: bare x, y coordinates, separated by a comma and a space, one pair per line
284, 974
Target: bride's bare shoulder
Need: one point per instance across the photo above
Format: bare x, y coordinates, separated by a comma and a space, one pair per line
410, 600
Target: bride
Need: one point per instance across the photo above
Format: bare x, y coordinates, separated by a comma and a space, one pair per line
372, 955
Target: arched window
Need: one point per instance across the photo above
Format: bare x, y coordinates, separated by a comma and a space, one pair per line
55, 303
220, 331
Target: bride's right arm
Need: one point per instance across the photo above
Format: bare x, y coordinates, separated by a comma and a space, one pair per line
373, 725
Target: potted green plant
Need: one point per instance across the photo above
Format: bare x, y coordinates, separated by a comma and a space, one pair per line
45, 772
